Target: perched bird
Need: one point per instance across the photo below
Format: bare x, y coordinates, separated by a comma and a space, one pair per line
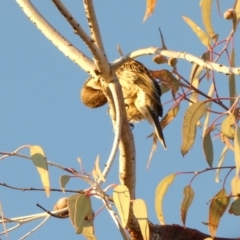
141, 94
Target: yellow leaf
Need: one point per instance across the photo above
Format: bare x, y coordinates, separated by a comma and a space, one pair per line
206, 17
222, 158
208, 146
236, 18
227, 126
121, 198
235, 186
88, 230
198, 31
97, 169
194, 78
237, 149
191, 117
186, 203
217, 208
151, 4
140, 212
160, 193
39, 160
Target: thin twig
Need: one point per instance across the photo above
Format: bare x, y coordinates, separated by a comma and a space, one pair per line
23, 189
97, 54
34, 229
93, 26
52, 214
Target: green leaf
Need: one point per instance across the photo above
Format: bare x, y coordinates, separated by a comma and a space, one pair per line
235, 207
237, 149
140, 212
160, 193
191, 117
82, 208
231, 80
79, 206
71, 207
186, 203
217, 208
198, 31
64, 179
208, 150
208, 106
206, 6
39, 160
227, 126
121, 198
208, 146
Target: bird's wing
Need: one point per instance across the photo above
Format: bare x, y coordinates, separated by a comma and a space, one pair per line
147, 83
143, 78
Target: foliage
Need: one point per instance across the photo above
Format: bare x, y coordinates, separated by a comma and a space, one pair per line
204, 109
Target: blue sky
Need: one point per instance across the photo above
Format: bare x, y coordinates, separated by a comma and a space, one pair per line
40, 105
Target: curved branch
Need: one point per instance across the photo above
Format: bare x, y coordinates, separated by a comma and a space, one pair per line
115, 89
183, 55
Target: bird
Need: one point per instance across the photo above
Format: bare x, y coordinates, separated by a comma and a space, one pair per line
141, 93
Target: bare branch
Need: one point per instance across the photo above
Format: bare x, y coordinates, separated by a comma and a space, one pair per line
183, 55
115, 89
34, 229
102, 62
56, 38
93, 26
97, 54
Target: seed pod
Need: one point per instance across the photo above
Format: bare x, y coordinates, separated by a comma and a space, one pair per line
159, 59
229, 14
60, 204
172, 62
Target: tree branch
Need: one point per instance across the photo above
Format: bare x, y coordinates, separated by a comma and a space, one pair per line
95, 34
97, 54
183, 55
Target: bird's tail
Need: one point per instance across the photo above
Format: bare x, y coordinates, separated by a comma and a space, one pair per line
158, 129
